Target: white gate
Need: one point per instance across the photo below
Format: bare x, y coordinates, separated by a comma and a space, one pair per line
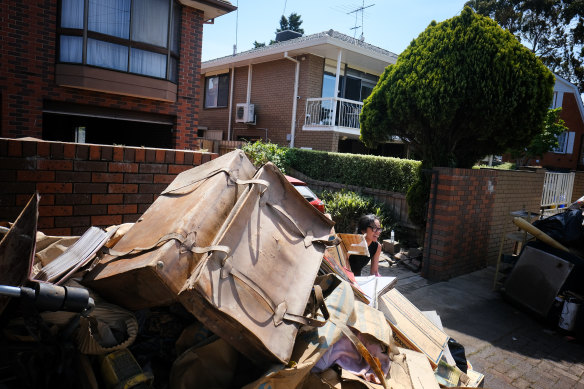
557, 192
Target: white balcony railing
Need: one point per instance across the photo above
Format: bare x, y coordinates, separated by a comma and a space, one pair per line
321, 112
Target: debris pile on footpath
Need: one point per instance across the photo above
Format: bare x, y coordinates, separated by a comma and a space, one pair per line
230, 279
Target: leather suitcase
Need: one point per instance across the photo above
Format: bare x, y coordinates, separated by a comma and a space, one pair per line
253, 287
150, 264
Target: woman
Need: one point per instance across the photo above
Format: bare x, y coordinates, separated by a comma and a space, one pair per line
369, 226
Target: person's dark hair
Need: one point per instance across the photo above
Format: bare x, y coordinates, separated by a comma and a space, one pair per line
366, 221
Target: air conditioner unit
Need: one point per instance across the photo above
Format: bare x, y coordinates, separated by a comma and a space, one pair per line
244, 113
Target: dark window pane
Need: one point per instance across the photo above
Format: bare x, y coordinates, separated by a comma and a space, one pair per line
223, 90
353, 89
173, 69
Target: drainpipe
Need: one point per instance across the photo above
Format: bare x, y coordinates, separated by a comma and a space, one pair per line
230, 103
249, 72
295, 101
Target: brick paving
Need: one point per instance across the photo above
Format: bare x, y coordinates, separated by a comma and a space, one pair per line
512, 347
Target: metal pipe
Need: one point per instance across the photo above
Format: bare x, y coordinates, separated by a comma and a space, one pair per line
295, 99
249, 73
230, 102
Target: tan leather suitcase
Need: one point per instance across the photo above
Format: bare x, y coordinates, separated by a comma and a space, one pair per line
253, 287
152, 261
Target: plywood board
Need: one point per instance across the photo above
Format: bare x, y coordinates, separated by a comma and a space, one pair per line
421, 372
412, 327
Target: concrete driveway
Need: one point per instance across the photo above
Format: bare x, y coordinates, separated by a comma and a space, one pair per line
509, 345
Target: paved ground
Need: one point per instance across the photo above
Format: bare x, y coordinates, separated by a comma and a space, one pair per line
510, 346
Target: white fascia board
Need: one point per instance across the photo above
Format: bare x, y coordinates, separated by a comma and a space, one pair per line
303, 47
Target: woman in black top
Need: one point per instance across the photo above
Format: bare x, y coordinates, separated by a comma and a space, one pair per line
369, 226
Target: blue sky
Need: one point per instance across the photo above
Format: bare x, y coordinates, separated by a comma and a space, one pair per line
389, 24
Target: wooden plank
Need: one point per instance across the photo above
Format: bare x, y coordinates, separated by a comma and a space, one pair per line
421, 372
412, 327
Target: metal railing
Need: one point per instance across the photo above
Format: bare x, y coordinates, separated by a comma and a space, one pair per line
332, 112
557, 192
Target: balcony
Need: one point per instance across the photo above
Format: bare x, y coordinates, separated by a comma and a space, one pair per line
333, 114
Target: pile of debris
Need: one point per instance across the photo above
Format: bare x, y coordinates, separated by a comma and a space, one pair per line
230, 279
547, 276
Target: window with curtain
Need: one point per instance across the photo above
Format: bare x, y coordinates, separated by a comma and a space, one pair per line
216, 91
135, 36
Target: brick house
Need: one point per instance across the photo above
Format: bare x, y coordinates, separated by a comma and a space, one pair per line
569, 155
73, 70
285, 92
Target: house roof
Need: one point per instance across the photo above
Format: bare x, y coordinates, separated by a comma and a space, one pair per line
211, 8
356, 53
563, 85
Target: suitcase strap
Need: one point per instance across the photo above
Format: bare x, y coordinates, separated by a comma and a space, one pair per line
309, 238
170, 236
211, 174
279, 311
371, 360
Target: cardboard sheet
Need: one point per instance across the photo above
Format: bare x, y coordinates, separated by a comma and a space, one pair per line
412, 327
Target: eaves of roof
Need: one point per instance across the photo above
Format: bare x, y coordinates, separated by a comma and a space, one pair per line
325, 44
211, 8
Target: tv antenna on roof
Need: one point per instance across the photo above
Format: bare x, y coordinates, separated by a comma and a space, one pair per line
356, 11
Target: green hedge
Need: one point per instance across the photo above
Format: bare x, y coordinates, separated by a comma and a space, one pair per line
391, 174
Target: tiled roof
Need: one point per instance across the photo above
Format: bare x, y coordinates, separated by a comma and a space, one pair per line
307, 38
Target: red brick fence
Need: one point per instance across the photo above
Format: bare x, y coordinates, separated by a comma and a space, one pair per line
86, 185
96, 185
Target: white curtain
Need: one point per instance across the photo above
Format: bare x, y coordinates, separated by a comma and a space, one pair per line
107, 55
72, 13
71, 49
111, 17
150, 22
148, 63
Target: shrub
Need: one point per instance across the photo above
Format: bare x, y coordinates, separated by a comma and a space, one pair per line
346, 207
260, 153
391, 174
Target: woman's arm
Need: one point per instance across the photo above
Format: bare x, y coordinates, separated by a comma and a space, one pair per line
375, 261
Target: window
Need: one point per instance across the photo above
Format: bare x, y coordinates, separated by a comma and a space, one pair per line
216, 91
134, 36
565, 143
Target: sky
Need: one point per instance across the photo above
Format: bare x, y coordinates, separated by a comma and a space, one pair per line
389, 24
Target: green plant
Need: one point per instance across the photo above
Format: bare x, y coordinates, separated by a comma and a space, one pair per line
259, 153
391, 174
346, 207
463, 89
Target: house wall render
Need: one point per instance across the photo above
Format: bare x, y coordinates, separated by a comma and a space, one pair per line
83, 185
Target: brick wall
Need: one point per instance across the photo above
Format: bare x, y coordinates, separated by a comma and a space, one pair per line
27, 80
469, 213
84, 185
272, 93
578, 190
